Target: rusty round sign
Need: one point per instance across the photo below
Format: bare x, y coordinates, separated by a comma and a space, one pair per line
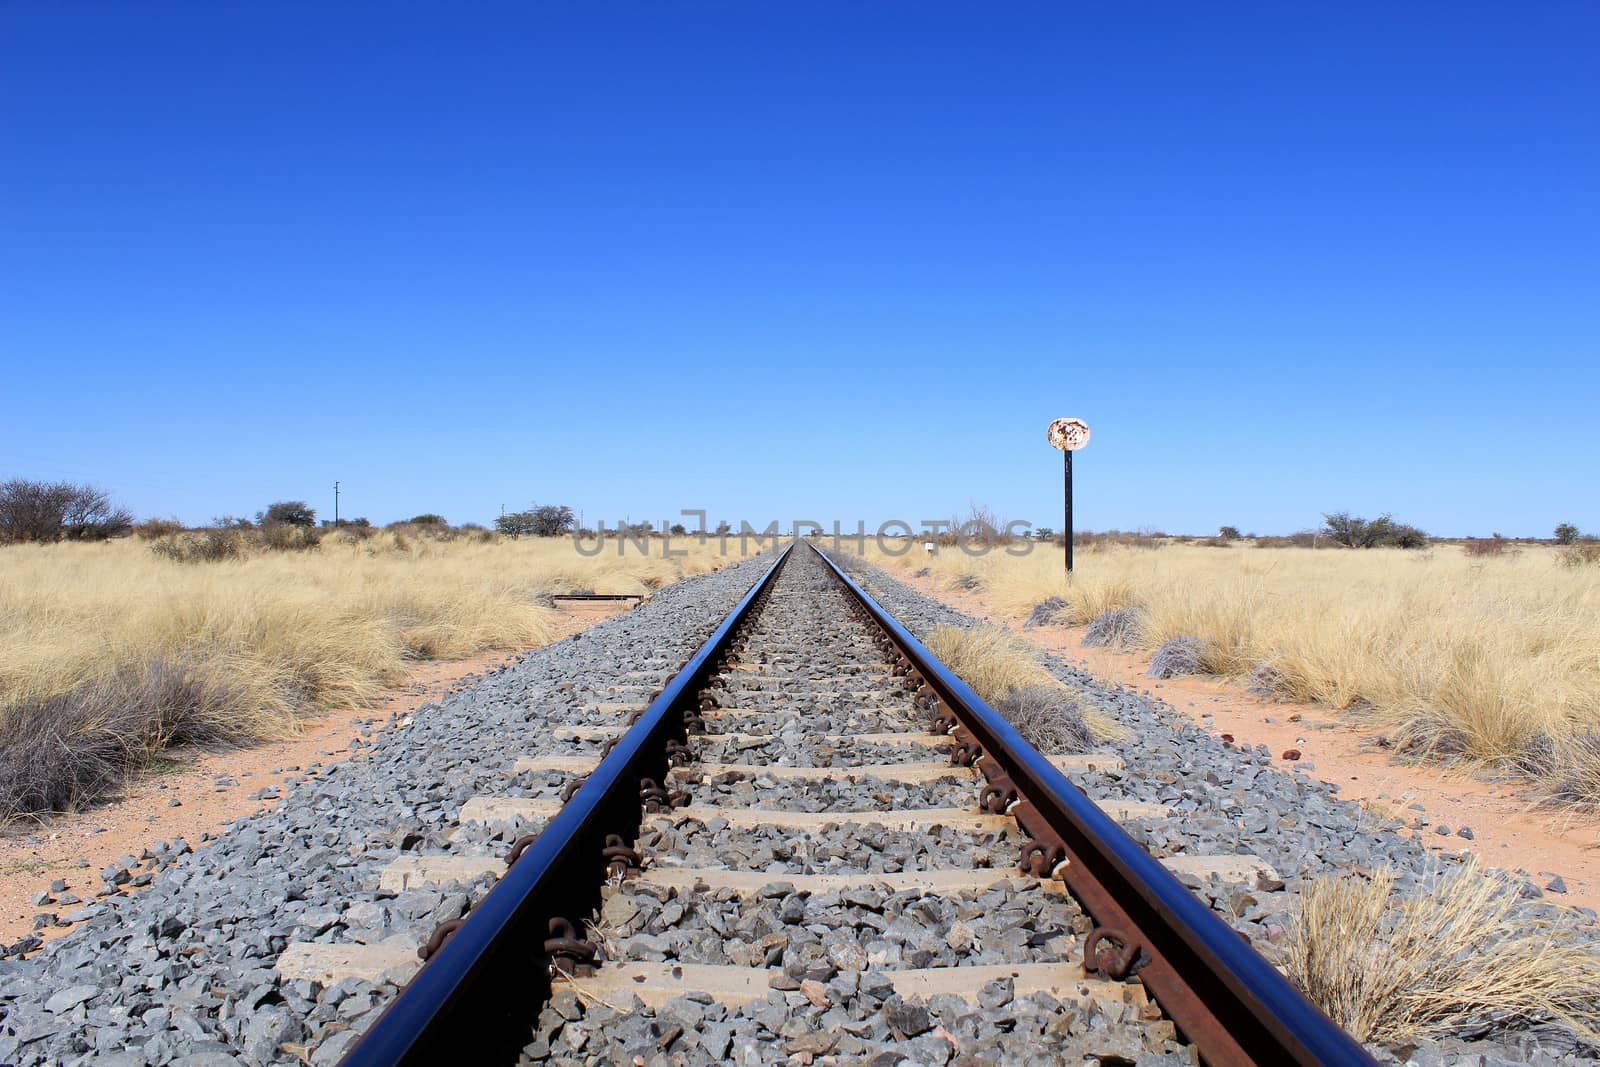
1069, 435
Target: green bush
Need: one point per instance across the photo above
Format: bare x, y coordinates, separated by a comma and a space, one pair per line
1381, 532
287, 513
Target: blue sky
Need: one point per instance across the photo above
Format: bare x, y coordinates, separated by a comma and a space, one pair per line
807, 260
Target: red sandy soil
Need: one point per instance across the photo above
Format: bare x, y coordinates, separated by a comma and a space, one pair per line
1509, 830
77, 847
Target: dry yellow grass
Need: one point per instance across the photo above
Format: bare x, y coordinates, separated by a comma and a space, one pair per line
1485, 659
1389, 967
1006, 674
242, 649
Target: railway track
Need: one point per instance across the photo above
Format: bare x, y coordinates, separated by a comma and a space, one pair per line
815, 841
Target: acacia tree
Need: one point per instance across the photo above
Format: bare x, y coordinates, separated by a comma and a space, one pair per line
1381, 532
287, 513
1567, 534
541, 520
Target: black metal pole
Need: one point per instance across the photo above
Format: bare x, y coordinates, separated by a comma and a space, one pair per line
1067, 462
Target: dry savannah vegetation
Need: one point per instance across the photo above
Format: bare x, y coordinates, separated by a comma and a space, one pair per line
117, 649
1453, 652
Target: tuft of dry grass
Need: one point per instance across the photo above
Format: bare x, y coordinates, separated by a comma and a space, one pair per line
1005, 673
1391, 966
113, 651
1464, 660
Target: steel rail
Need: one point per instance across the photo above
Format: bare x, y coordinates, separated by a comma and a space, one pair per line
1226, 998
476, 997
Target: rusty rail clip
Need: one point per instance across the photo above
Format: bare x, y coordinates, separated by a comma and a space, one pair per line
1116, 964
1039, 858
569, 954
440, 935
621, 860
965, 754
655, 798
519, 846
998, 796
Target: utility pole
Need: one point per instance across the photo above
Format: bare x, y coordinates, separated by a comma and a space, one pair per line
1068, 435
335, 504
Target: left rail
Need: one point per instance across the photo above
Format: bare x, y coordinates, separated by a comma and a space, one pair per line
482, 987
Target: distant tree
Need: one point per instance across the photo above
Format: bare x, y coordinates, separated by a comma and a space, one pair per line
428, 519
1344, 529
232, 522
50, 511
678, 529
551, 520
1567, 534
1044, 533
1382, 532
515, 523
287, 513
724, 527
1229, 533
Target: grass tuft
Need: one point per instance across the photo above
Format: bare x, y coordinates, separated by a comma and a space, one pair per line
1006, 674
1391, 967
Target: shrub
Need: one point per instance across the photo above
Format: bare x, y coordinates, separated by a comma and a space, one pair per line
1485, 546
287, 513
50, 511
678, 529
1266, 681
1382, 532
1229, 533
1568, 771
428, 518
997, 666
1046, 612
1584, 553
285, 537
1116, 628
63, 749
211, 545
1048, 718
1179, 655
154, 529
1566, 534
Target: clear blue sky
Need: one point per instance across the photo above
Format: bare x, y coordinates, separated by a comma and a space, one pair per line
807, 260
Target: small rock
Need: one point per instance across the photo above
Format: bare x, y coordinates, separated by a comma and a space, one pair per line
1292, 754
69, 998
905, 1018
1556, 885
1466, 832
